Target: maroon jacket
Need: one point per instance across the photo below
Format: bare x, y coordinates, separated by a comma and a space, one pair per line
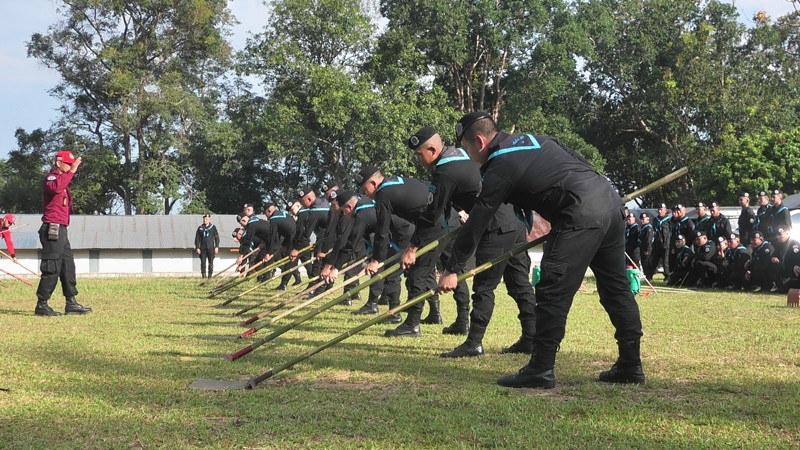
56, 197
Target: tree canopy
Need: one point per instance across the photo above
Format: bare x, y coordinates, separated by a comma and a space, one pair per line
173, 121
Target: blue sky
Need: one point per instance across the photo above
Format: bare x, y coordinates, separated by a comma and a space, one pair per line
24, 84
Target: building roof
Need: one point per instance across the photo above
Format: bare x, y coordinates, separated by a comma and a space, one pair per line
126, 232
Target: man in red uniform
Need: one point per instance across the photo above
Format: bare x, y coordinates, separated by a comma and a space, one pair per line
57, 260
5, 232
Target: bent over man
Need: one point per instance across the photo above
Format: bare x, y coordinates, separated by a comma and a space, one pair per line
588, 231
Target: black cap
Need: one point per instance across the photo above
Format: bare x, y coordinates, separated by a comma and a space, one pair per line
777, 192
330, 184
239, 217
700, 205
365, 174
757, 234
662, 205
420, 137
733, 236
268, 205
763, 194
467, 121
744, 194
680, 238
699, 233
235, 232
714, 205
343, 197
248, 205
677, 207
302, 192
644, 215
722, 239
781, 231
206, 215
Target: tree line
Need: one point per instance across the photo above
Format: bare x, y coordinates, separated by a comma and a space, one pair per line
170, 119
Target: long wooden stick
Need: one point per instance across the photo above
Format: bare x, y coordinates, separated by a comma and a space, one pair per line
18, 278
387, 270
422, 297
9, 257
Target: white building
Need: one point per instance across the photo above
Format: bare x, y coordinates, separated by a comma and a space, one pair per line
124, 245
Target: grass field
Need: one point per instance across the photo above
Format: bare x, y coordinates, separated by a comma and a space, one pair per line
723, 372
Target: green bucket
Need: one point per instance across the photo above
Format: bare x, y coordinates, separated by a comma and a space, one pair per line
536, 275
634, 280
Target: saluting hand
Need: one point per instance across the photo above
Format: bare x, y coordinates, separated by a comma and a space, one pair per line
74, 167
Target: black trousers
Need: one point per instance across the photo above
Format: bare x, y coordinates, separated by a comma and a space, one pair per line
515, 272
291, 265
658, 255
57, 264
421, 277
206, 261
461, 292
567, 255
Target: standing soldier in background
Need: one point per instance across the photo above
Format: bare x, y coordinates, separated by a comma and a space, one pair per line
5, 225
779, 217
762, 215
661, 244
720, 225
632, 239
645, 244
206, 244
57, 261
747, 218
680, 225
703, 221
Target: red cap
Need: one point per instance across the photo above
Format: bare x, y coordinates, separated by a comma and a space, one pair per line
65, 156
11, 218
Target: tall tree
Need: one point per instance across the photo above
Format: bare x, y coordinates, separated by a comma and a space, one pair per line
133, 74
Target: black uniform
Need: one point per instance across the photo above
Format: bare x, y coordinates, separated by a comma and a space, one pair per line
685, 227
703, 224
781, 249
747, 219
632, 242
763, 217
313, 219
358, 243
720, 228
257, 233
661, 246
704, 269
285, 228
761, 273
587, 218
790, 259
645, 242
457, 180
680, 274
779, 218
406, 198
206, 239
737, 259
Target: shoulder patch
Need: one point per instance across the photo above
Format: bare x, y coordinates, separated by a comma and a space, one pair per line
51, 177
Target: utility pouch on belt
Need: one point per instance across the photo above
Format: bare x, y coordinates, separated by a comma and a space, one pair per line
52, 231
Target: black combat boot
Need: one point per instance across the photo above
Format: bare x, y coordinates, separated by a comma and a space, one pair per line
537, 374
43, 309
461, 324
433, 317
281, 287
73, 307
473, 346
465, 350
368, 308
404, 330
628, 368
525, 342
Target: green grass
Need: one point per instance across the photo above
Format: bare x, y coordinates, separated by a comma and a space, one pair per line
723, 371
